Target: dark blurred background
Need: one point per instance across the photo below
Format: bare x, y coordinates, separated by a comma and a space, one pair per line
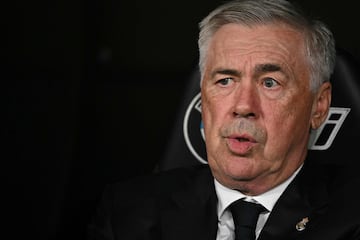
91, 93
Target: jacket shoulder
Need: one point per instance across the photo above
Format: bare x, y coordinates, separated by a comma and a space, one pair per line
141, 200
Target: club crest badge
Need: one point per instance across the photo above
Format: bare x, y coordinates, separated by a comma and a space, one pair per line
300, 226
194, 131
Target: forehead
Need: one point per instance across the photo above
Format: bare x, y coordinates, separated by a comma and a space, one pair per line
274, 42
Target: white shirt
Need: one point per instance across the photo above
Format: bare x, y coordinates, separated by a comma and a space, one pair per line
226, 196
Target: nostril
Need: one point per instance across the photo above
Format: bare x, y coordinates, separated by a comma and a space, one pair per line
250, 115
244, 115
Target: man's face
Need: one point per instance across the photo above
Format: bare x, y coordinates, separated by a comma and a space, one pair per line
257, 105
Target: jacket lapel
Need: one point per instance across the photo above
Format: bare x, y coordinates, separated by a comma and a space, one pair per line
194, 215
191, 212
298, 209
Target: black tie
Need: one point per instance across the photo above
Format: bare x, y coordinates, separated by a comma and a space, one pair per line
245, 215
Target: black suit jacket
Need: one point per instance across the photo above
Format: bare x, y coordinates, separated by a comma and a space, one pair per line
181, 205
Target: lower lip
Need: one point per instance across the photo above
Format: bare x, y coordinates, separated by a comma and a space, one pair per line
240, 148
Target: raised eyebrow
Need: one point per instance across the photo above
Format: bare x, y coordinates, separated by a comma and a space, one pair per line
231, 72
268, 67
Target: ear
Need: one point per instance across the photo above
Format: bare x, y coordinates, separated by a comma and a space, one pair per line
321, 105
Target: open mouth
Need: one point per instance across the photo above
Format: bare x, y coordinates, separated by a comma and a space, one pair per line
241, 144
242, 139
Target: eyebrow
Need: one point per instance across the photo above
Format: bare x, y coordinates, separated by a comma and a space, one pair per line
259, 69
267, 67
225, 71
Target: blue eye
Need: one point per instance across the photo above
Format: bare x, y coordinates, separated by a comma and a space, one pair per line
270, 82
224, 81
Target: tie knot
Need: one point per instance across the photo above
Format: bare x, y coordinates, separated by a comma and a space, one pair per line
245, 215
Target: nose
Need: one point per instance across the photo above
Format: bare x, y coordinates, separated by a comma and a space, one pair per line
246, 101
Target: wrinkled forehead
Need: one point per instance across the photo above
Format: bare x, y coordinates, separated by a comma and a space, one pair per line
276, 35
277, 42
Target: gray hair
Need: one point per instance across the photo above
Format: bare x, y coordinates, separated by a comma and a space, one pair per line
319, 41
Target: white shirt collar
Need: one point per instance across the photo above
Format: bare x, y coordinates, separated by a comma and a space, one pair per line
226, 196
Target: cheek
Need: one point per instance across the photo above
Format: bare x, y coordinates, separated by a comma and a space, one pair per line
213, 114
287, 125
283, 119
206, 114
293, 109
209, 115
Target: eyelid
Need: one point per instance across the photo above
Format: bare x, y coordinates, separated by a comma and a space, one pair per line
275, 82
220, 80
270, 78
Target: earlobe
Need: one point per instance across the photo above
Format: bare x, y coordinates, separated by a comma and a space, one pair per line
321, 105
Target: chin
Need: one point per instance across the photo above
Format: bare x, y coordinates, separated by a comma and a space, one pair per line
240, 170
